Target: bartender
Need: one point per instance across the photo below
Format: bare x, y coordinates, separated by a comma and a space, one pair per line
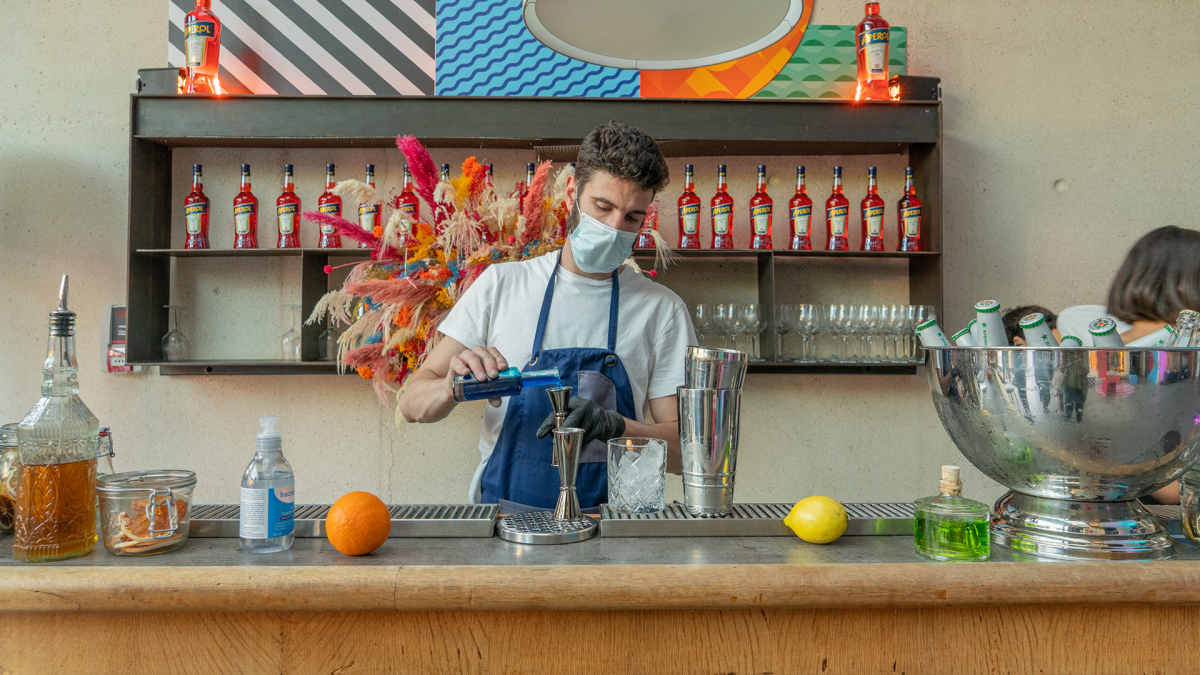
616, 337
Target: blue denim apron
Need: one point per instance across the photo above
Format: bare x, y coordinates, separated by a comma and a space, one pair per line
519, 469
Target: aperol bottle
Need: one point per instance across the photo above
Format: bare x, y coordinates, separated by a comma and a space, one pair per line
908, 212
368, 213
872, 35
195, 213
837, 208
408, 201
645, 237
800, 215
721, 207
872, 215
761, 206
689, 212
245, 214
287, 210
330, 205
523, 188
201, 47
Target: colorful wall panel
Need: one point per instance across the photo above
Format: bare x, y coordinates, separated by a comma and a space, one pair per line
482, 48
825, 65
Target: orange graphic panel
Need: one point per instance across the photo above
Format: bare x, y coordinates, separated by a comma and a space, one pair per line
739, 78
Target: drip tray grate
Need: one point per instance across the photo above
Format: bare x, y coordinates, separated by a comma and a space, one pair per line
749, 520
1170, 515
408, 520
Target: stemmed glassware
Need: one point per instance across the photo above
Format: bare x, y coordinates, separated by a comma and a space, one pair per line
837, 321
291, 339
754, 323
808, 322
174, 343
327, 344
722, 313
735, 323
785, 318
702, 320
871, 324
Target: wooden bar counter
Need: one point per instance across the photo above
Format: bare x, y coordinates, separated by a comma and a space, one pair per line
609, 605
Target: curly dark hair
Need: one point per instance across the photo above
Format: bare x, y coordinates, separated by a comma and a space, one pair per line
625, 152
1012, 319
1160, 276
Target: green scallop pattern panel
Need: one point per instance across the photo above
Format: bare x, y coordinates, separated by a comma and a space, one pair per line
825, 65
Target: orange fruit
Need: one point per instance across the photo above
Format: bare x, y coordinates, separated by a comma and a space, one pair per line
358, 523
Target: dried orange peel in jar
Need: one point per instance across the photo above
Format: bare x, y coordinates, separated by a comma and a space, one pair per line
133, 535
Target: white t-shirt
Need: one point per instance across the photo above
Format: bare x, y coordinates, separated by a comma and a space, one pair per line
1075, 320
501, 310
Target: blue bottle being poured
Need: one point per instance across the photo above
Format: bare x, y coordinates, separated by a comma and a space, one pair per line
510, 381
266, 521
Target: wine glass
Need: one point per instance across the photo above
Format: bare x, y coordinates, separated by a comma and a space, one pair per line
834, 317
291, 339
737, 323
327, 344
857, 328
808, 322
702, 320
871, 326
174, 343
721, 314
785, 317
756, 322
918, 314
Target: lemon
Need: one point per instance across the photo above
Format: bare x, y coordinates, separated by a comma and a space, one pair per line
817, 520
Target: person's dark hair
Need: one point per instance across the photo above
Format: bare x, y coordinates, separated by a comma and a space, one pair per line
1012, 319
624, 152
1160, 276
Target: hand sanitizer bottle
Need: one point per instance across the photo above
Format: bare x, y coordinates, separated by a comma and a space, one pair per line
268, 495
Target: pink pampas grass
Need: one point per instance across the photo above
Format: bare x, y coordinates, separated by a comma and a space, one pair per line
420, 164
535, 203
343, 227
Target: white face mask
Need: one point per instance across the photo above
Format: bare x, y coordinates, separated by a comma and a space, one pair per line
598, 248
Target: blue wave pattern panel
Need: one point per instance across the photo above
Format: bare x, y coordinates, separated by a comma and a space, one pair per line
484, 49
318, 47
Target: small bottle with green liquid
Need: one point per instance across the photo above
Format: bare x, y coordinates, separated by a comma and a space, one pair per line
949, 526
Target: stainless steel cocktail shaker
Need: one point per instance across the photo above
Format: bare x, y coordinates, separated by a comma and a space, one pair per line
709, 409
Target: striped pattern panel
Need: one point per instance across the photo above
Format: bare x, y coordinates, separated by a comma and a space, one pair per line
484, 49
319, 47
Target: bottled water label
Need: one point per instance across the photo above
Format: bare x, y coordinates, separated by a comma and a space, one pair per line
267, 513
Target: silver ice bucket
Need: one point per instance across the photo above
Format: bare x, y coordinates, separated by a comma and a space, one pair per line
708, 438
1078, 435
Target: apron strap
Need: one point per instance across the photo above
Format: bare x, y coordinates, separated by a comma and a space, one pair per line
544, 314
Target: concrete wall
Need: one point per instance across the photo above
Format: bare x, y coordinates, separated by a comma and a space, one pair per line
1094, 94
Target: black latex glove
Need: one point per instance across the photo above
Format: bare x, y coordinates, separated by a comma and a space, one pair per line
597, 423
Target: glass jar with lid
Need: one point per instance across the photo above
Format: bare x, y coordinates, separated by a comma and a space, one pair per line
8, 477
145, 512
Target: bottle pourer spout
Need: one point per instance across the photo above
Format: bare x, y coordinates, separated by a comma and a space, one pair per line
62, 294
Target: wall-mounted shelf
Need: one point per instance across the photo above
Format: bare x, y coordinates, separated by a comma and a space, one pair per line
550, 127
250, 252
234, 367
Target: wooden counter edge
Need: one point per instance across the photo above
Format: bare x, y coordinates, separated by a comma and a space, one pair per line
593, 587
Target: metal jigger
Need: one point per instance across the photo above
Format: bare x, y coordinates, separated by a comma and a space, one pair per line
566, 448
559, 397
566, 523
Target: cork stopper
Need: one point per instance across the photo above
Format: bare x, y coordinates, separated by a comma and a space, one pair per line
950, 484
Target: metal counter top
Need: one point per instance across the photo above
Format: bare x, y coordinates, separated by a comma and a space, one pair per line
598, 551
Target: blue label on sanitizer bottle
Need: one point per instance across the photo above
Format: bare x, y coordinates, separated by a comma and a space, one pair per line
267, 512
